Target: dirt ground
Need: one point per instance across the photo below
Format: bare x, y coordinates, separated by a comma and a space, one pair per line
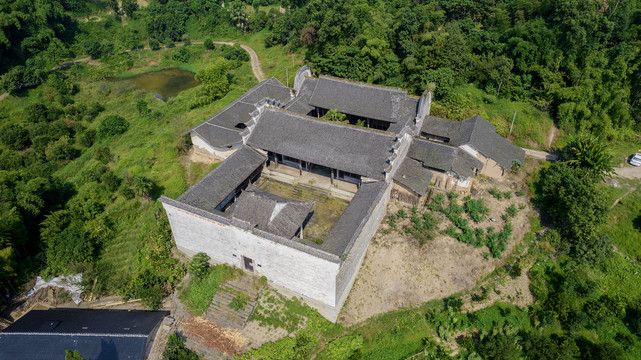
397, 272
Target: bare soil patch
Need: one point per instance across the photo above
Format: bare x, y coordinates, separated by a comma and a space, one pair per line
397, 272
213, 336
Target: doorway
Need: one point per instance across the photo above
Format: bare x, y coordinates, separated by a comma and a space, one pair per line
249, 264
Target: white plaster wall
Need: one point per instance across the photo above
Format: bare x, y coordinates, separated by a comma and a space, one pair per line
223, 153
293, 269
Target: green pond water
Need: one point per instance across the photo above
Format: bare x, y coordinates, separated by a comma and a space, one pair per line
166, 82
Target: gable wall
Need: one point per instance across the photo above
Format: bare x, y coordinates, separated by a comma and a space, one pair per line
223, 153
293, 269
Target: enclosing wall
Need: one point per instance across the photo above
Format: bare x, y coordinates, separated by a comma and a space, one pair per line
300, 272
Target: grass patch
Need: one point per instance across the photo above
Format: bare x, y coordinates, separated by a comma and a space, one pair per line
199, 293
327, 210
531, 125
624, 225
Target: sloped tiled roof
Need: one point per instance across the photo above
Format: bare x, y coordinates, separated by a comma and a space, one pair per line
348, 148
479, 134
212, 189
269, 212
300, 104
414, 176
484, 138
220, 129
359, 99
95, 334
443, 157
354, 216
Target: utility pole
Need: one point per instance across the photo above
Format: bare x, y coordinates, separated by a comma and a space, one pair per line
512, 122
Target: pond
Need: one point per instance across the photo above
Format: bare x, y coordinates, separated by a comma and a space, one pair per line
166, 82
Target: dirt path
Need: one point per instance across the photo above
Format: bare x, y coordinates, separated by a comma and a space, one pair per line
540, 155
629, 172
255, 61
4, 95
551, 136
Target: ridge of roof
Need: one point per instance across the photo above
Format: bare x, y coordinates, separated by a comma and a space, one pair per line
362, 83
239, 99
332, 123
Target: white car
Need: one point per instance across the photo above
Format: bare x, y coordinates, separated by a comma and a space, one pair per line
635, 160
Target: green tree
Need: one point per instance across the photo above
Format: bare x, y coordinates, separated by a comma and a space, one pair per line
14, 136
577, 205
214, 79
208, 44
93, 48
112, 125
177, 350
142, 187
335, 115
70, 246
591, 154
199, 265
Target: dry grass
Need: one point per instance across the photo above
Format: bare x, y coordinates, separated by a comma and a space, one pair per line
327, 210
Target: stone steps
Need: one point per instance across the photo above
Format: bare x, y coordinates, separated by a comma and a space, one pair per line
219, 310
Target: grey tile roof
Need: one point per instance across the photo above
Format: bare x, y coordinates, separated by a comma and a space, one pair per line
218, 136
442, 127
406, 116
212, 189
484, 138
300, 104
359, 99
478, 133
414, 176
355, 215
343, 147
224, 131
444, 157
269, 212
95, 334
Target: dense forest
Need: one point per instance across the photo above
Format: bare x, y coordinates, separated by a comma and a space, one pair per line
82, 160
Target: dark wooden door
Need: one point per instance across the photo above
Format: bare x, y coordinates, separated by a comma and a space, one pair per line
249, 263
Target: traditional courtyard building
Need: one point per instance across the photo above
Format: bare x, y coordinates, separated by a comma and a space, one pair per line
389, 145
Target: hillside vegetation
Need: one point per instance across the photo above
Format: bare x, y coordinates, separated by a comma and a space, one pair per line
84, 158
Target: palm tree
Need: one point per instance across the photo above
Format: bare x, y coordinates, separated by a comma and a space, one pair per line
590, 153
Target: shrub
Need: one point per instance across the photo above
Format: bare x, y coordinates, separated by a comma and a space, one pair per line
429, 221
182, 54
154, 44
520, 193
392, 221
208, 44
141, 106
199, 265
510, 212
344, 347
142, 187
112, 125
496, 193
402, 214
476, 209
177, 350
